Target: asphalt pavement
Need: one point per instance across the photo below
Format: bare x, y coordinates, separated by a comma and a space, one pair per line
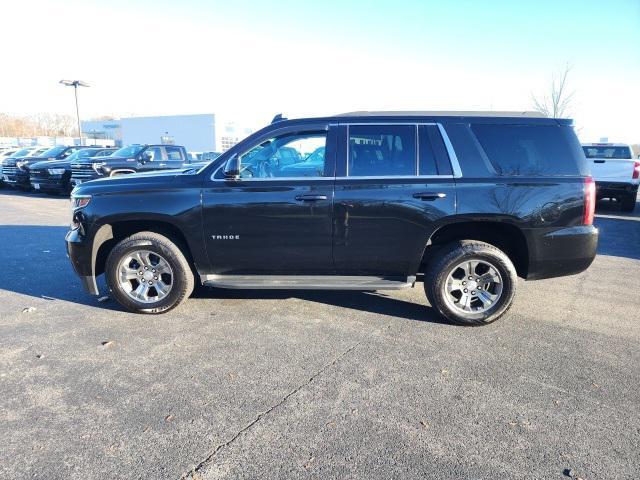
319, 385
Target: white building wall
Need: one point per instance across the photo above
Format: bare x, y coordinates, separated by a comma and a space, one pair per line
196, 132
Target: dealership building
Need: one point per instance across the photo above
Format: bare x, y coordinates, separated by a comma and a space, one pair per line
198, 133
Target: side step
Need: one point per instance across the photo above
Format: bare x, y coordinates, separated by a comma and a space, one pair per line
305, 282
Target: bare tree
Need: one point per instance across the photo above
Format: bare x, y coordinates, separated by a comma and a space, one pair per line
557, 103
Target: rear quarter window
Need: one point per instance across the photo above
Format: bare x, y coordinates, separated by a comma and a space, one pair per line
532, 150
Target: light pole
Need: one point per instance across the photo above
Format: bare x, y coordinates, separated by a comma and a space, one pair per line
75, 84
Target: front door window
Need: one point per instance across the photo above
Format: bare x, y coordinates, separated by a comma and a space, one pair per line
288, 156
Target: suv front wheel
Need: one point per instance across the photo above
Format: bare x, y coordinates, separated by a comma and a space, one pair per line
471, 282
148, 273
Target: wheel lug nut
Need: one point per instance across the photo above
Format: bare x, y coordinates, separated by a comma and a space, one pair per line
150, 282
465, 290
146, 268
153, 270
155, 278
470, 277
464, 283
473, 292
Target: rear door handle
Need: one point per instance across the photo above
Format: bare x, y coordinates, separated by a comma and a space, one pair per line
163, 164
599, 161
310, 198
428, 196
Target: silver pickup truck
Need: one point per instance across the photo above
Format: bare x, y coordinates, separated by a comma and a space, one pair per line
615, 171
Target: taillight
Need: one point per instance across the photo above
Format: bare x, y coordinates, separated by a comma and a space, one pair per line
589, 201
636, 170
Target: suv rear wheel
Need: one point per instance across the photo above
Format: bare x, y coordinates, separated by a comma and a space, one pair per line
471, 282
148, 273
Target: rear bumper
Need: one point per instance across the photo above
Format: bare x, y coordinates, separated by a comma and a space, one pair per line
560, 252
607, 189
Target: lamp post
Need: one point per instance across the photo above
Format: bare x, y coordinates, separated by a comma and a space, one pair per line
75, 84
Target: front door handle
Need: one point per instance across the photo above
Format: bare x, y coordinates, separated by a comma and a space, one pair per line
163, 164
310, 198
429, 196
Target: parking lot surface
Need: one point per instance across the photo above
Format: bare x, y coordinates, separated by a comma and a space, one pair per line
291, 384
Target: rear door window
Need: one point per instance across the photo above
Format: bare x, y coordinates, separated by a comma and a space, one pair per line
382, 150
433, 158
531, 150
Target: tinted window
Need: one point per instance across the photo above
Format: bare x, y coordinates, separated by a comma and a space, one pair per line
607, 152
296, 155
532, 150
382, 150
433, 158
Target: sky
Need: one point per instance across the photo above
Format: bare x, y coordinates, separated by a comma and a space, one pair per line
250, 59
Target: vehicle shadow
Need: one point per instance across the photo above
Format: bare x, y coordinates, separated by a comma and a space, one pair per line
33, 261
367, 301
619, 231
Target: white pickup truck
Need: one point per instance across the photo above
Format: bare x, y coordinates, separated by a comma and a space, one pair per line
615, 171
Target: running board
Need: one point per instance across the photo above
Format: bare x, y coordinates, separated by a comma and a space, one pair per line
303, 282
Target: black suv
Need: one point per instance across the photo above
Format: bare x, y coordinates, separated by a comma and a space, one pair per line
54, 176
465, 202
15, 171
130, 159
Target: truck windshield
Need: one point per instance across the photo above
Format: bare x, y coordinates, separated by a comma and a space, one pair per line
20, 153
53, 152
607, 152
130, 151
84, 153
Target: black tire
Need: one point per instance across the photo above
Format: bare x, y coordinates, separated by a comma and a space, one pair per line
182, 275
628, 202
451, 255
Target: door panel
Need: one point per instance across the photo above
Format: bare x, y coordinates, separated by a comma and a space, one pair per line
393, 188
276, 219
266, 227
382, 226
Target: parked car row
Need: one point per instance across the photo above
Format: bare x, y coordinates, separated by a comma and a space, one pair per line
59, 169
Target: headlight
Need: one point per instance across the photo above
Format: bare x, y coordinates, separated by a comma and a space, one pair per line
77, 204
96, 166
21, 164
56, 171
80, 201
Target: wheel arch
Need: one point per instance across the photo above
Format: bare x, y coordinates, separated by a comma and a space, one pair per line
109, 234
504, 235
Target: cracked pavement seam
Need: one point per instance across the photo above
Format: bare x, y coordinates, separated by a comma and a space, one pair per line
193, 474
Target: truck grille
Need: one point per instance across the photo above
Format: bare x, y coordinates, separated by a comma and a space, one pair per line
9, 170
80, 170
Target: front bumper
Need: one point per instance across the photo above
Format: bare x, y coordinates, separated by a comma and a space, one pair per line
560, 252
51, 183
13, 176
80, 252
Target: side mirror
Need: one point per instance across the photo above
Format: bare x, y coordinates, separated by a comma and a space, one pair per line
232, 168
145, 157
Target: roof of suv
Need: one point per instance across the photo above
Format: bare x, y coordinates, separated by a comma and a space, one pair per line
492, 117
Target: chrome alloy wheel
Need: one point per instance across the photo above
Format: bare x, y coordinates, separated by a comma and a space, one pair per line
473, 286
145, 276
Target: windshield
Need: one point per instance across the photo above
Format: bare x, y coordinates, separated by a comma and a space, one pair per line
130, 151
53, 152
84, 153
608, 152
20, 153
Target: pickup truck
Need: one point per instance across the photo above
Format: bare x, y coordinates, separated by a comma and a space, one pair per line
361, 201
15, 171
615, 171
130, 159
